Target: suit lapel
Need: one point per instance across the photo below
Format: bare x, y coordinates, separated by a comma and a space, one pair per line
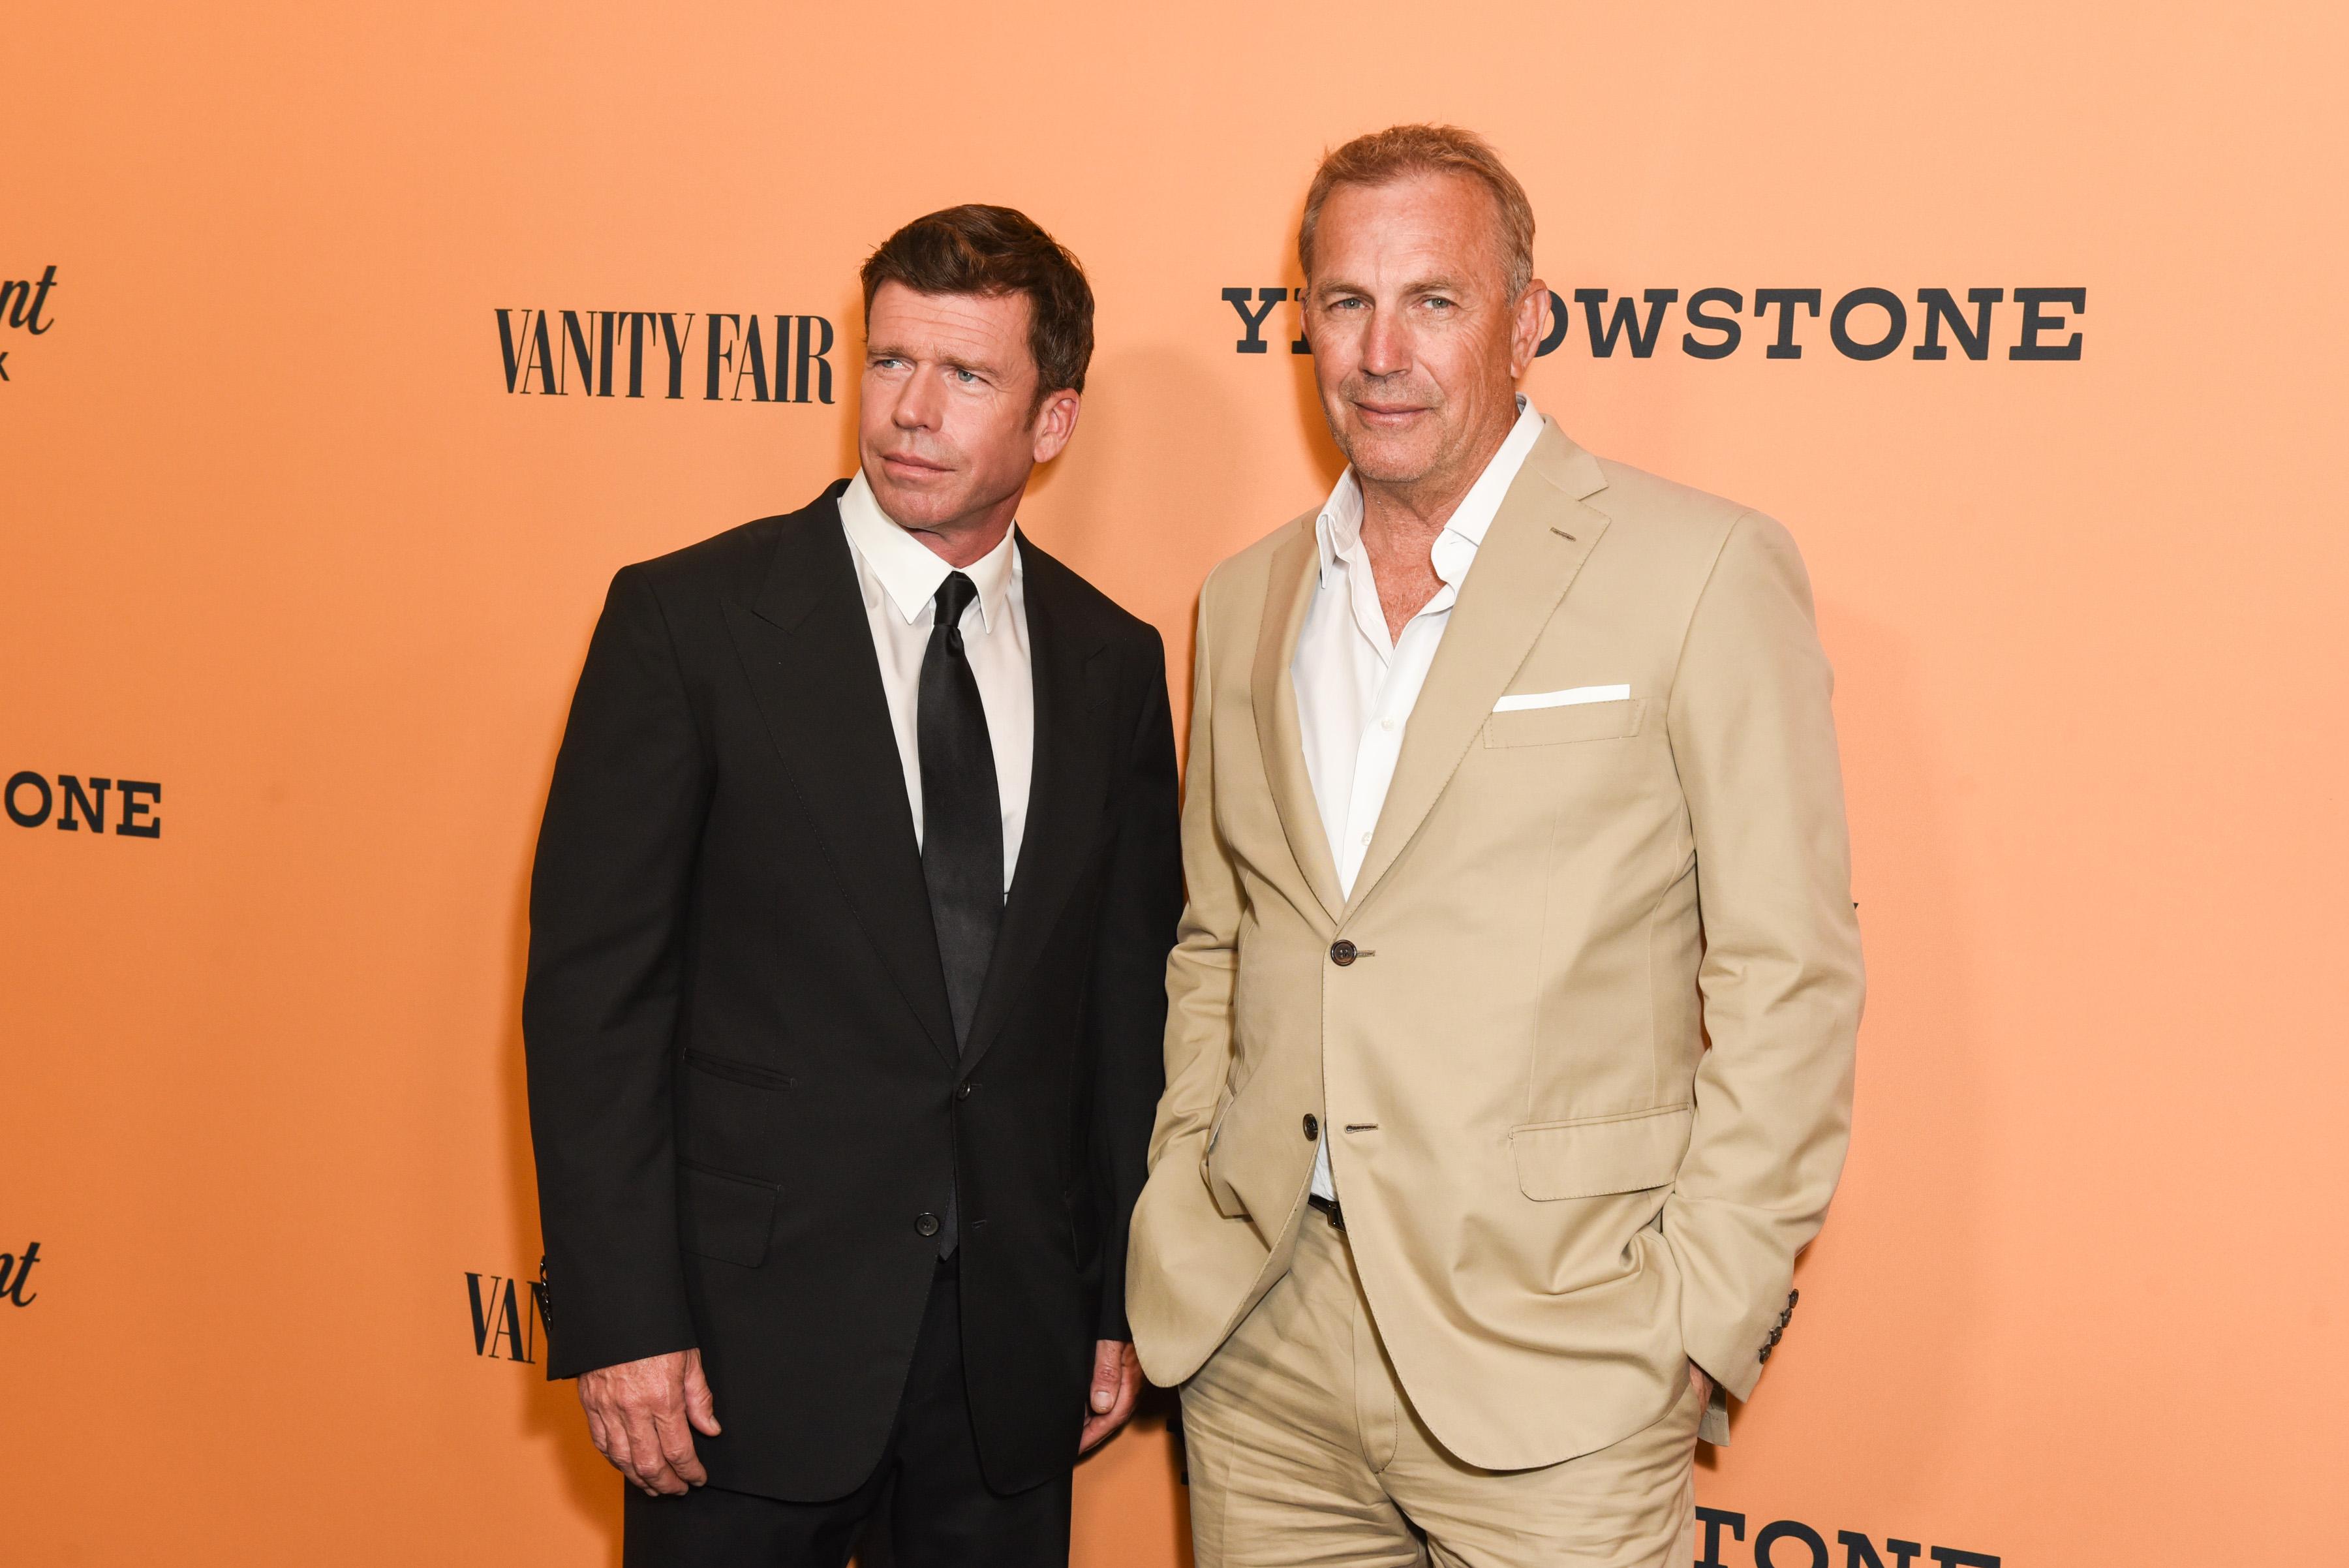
1531, 553
1280, 736
807, 651
1066, 789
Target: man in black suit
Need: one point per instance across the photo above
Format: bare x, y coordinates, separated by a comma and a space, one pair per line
848, 935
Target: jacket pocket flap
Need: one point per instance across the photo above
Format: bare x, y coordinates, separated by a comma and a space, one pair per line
1594, 1156
1576, 721
723, 1216
739, 1072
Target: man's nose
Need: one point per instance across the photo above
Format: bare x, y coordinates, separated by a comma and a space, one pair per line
1386, 345
918, 405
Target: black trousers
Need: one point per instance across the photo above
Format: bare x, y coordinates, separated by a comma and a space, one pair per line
927, 1496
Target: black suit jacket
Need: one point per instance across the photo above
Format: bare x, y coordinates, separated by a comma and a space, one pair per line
744, 1088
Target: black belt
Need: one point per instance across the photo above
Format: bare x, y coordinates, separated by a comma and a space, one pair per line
1329, 1206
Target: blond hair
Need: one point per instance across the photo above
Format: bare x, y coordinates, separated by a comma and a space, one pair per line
1401, 152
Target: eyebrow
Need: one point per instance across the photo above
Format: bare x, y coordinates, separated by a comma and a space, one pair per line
1437, 284
952, 361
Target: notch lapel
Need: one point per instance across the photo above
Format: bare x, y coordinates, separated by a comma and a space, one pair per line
1069, 666
1279, 735
807, 652
1522, 571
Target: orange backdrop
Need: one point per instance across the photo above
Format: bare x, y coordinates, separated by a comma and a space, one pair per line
280, 542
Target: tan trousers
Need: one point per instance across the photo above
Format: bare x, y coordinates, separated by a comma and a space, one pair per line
1305, 1449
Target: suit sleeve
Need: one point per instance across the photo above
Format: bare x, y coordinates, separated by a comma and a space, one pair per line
1128, 1007
600, 1006
1753, 735
1201, 971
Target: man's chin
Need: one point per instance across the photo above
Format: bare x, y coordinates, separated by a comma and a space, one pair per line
921, 514
1391, 462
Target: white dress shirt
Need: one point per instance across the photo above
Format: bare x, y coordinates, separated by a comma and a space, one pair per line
900, 576
1355, 685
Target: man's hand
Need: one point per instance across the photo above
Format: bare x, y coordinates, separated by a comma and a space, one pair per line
639, 1414
1117, 1382
1703, 1383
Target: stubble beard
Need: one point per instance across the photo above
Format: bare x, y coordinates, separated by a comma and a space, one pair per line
1393, 457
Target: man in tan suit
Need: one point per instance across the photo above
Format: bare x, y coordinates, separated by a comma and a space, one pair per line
1510, 1056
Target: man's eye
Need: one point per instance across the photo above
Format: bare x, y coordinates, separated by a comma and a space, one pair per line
965, 378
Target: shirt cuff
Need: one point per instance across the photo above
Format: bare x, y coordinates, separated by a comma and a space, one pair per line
1714, 1428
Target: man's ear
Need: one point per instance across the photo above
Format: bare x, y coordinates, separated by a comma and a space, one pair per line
1055, 422
1525, 327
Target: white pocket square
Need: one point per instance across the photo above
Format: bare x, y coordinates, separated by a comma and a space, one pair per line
1568, 698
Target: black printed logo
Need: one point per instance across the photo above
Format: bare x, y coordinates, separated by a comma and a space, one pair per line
1791, 1543
21, 303
504, 1328
1863, 324
618, 353
14, 1272
78, 802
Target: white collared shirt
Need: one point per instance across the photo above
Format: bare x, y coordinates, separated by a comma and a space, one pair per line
1355, 685
900, 576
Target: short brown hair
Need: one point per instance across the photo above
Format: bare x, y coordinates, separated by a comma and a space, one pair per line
996, 251
1401, 152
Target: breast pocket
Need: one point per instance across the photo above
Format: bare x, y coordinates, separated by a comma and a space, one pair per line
1614, 720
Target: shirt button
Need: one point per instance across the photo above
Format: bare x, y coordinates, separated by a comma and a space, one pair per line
925, 1224
1312, 1127
1386, 723
1341, 952
1366, 838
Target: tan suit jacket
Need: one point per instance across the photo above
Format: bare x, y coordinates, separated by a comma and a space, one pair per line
1555, 1190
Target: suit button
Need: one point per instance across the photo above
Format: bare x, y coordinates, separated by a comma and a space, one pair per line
1774, 1333
1791, 1297
962, 1091
1312, 1127
1341, 952
1766, 1352
925, 1224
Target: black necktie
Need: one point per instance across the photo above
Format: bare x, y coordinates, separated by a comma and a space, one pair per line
962, 814
962, 825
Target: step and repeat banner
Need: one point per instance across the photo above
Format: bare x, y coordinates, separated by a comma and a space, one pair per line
345, 352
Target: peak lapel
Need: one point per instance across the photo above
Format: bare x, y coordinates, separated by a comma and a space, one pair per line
807, 652
1522, 569
1067, 786
1280, 736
